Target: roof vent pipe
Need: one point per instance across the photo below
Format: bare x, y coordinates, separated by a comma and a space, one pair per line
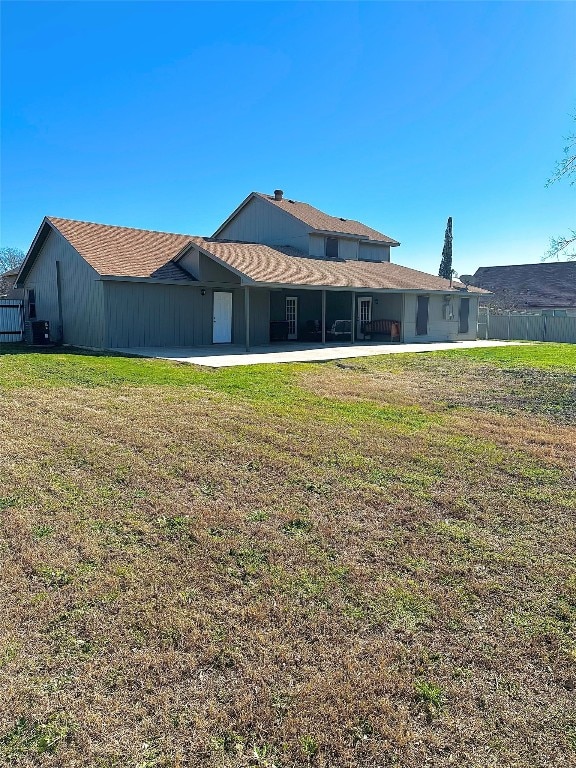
278, 194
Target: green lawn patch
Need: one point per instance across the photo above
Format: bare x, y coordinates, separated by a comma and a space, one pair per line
356, 563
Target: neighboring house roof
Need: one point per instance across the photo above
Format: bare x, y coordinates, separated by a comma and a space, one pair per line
316, 219
531, 285
126, 252
10, 272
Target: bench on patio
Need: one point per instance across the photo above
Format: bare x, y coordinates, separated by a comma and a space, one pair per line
389, 328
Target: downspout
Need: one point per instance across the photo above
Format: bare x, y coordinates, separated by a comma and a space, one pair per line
59, 299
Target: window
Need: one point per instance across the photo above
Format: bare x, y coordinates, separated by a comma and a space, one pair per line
331, 247
31, 304
292, 316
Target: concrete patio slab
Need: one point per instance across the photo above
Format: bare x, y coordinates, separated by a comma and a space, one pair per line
231, 355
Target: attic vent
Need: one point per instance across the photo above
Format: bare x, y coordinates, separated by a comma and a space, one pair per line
341, 219
292, 201
278, 193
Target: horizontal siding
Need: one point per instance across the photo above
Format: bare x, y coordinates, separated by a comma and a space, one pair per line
82, 322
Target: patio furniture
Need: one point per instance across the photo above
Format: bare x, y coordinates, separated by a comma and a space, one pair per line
389, 328
340, 329
312, 330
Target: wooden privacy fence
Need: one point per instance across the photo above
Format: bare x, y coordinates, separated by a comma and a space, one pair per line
11, 320
519, 327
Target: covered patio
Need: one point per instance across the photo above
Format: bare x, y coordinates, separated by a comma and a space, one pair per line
281, 314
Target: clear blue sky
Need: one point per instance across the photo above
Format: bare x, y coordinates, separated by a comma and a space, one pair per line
166, 115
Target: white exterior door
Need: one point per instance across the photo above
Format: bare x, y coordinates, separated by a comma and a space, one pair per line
222, 319
363, 314
292, 316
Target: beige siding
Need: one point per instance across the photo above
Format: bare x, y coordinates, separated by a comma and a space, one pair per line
372, 252
260, 222
81, 294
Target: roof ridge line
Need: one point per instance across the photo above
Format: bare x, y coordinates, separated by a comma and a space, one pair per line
119, 226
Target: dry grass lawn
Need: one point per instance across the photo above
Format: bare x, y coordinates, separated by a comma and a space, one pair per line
360, 563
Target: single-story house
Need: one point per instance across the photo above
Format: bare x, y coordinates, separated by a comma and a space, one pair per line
545, 288
275, 270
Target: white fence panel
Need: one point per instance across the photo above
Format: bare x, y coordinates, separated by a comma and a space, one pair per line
11, 320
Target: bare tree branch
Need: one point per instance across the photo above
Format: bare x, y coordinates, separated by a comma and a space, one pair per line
564, 246
10, 258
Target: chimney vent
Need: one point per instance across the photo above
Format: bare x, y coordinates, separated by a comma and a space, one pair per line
278, 194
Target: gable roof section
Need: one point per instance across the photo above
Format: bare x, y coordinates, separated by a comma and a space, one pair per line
316, 219
531, 285
124, 251
117, 251
287, 266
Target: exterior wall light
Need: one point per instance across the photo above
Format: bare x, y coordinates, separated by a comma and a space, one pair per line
203, 292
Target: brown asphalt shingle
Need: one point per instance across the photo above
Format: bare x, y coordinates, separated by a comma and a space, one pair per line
283, 265
319, 220
123, 251
127, 252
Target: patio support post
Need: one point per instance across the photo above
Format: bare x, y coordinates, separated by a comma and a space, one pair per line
403, 319
323, 317
353, 323
247, 317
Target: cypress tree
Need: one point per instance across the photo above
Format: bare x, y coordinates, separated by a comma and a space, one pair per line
446, 263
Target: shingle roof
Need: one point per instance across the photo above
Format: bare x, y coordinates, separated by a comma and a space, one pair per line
287, 266
128, 252
531, 285
324, 222
124, 251
10, 272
